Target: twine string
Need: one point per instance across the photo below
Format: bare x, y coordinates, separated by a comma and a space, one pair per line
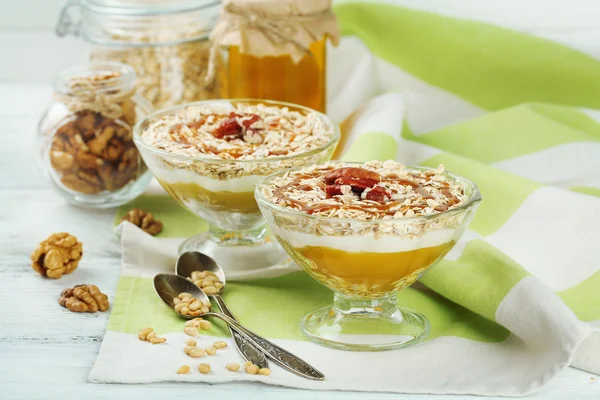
273, 28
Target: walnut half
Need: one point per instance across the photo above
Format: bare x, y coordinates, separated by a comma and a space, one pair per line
84, 298
144, 220
57, 255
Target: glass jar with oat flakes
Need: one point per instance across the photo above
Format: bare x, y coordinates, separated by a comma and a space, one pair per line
274, 49
165, 41
85, 138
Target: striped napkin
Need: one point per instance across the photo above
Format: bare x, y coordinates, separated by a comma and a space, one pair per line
515, 302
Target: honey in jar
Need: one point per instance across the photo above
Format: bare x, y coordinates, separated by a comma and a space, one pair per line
275, 49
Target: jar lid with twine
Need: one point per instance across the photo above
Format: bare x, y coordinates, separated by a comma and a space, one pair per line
101, 88
263, 28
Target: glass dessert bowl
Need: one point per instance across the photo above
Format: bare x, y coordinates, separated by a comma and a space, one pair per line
210, 155
366, 231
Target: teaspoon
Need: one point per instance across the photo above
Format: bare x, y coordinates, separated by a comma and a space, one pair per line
195, 261
168, 286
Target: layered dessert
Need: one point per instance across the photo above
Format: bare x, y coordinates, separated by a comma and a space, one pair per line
213, 154
367, 229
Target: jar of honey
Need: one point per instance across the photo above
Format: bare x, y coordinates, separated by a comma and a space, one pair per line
274, 49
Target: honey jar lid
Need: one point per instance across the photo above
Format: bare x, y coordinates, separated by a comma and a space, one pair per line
275, 27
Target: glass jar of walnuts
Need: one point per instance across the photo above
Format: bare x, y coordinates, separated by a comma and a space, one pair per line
85, 136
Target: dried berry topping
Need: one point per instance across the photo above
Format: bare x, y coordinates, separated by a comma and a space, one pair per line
357, 179
379, 194
249, 121
237, 126
351, 172
333, 190
358, 185
229, 128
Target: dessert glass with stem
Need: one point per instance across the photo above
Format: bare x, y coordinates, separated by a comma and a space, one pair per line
364, 262
220, 190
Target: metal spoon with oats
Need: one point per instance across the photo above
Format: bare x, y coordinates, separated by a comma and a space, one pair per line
168, 287
193, 262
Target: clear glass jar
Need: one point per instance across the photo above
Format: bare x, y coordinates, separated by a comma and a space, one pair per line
275, 49
276, 78
85, 137
166, 42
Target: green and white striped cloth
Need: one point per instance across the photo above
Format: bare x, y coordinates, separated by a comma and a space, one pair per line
514, 303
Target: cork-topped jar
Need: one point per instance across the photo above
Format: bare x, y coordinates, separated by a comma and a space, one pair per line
274, 49
85, 137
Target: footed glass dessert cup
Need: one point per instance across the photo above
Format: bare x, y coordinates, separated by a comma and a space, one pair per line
365, 236
210, 155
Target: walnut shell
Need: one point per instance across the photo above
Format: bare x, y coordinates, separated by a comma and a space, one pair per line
57, 255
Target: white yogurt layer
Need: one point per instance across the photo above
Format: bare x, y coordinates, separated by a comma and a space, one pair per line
241, 184
368, 243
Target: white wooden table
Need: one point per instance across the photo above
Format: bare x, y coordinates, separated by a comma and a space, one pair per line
46, 352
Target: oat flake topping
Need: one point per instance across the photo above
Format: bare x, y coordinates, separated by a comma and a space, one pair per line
238, 132
374, 190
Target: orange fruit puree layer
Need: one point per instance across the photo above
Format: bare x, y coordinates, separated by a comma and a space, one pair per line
241, 202
368, 272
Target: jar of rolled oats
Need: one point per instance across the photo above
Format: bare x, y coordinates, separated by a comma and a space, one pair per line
85, 138
165, 41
